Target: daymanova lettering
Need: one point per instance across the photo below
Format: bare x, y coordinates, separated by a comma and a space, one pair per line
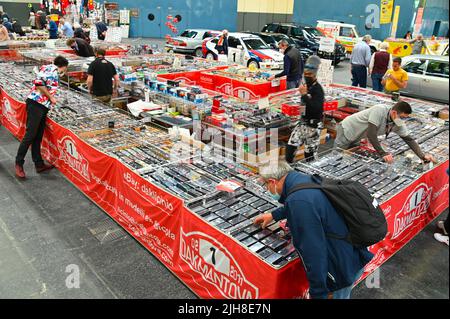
439, 192
216, 265
10, 113
415, 206
68, 153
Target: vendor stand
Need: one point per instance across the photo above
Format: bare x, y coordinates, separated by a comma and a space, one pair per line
194, 210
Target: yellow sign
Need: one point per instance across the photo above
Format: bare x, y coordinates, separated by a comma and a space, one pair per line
399, 48
395, 22
387, 6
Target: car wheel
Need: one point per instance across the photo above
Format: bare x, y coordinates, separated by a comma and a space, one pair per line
210, 56
198, 53
253, 62
171, 51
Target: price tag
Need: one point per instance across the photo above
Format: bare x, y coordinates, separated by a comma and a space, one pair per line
276, 83
228, 186
263, 103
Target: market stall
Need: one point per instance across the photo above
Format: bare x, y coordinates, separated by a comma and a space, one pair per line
193, 209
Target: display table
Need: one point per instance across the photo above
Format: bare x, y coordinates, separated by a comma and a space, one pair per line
210, 262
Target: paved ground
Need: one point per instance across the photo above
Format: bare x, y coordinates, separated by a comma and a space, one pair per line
47, 226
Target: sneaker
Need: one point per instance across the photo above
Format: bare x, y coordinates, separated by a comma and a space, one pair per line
441, 238
44, 167
20, 173
441, 227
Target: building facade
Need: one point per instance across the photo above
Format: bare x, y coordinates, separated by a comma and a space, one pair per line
252, 15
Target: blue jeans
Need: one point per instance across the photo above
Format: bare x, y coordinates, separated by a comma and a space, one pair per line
376, 80
345, 293
359, 74
292, 84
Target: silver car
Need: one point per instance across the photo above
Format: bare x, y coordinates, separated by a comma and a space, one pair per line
190, 41
428, 77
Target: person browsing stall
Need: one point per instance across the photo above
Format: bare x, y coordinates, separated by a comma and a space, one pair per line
379, 64
376, 121
39, 102
332, 265
103, 79
360, 60
79, 33
102, 28
222, 44
66, 28
307, 130
396, 78
81, 47
293, 65
4, 34
52, 28
8, 25
17, 27
418, 44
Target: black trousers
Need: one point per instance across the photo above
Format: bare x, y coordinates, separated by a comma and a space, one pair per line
446, 225
359, 74
36, 117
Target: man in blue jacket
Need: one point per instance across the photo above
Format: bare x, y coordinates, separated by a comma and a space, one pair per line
332, 265
52, 28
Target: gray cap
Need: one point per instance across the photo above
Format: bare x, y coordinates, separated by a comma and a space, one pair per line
312, 64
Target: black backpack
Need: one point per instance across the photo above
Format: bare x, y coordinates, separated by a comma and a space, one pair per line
363, 216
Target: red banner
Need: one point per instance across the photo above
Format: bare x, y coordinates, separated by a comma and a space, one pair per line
410, 211
149, 214
14, 115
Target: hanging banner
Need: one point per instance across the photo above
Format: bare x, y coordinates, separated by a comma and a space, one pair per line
395, 22
419, 21
387, 7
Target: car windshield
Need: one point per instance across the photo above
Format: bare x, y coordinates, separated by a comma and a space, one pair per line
255, 44
189, 34
278, 38
315, 32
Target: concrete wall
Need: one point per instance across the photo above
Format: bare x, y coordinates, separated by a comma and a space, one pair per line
254, 15
209, 14
19, 10
435, 18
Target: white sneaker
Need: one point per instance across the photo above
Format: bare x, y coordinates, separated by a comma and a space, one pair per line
441, 226
441, 238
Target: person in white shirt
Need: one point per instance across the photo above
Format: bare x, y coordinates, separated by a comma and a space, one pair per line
380, 62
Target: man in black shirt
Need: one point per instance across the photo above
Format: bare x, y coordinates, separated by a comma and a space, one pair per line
100, 78
307, 131
81, 47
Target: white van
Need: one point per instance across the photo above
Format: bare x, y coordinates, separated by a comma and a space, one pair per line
346, 34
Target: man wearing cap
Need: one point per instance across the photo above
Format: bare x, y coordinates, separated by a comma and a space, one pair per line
307, 131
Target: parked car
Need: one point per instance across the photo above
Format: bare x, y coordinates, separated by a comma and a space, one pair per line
428, 77
306, 36
272, 40
190, 41
346, 34
246, 49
